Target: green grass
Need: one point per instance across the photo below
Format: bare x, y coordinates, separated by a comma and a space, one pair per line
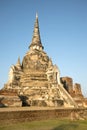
47, 125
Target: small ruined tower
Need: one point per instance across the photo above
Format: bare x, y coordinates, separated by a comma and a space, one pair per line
18, 64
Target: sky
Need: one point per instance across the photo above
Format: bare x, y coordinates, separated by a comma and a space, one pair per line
63, 31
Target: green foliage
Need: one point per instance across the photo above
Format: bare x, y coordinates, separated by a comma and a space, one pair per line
47, 125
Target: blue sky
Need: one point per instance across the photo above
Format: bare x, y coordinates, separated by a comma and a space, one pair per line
63, 30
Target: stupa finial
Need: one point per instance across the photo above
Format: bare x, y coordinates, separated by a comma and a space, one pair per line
36, 15
36, 40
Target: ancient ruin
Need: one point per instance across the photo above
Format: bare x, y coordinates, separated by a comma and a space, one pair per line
36, 81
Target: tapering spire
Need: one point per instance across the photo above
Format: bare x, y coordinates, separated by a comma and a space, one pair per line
18, 64
36, 40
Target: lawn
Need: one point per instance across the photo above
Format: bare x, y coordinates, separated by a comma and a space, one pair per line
47, 125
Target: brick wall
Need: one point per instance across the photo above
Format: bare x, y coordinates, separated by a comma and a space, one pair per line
32, 115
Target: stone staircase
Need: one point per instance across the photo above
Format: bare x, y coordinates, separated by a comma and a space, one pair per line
68, 100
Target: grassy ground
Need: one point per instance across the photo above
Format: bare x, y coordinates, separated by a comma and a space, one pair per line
47, 125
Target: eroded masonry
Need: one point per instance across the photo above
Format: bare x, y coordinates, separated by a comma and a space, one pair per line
36, 81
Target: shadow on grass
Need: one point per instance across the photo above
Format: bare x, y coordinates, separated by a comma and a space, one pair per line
66, 127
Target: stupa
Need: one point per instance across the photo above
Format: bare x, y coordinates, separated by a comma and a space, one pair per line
37, 80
